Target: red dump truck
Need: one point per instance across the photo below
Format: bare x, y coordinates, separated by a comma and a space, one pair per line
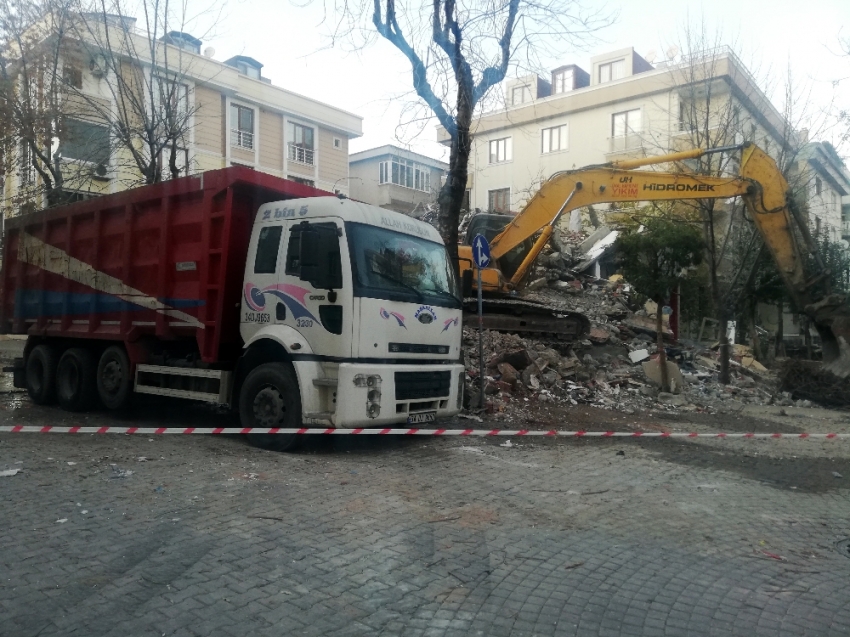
236, 287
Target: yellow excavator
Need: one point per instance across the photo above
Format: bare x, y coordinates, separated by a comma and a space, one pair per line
759, 183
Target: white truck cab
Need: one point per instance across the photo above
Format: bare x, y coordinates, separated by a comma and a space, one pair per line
364, 304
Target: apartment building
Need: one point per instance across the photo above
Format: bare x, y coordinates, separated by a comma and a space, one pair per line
824, 184
234, 116
395, 178
621, 107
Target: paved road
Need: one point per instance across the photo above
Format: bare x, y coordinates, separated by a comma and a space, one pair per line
191, 535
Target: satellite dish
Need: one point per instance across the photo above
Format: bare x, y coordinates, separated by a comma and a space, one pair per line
209, 52
651, 56
672, 52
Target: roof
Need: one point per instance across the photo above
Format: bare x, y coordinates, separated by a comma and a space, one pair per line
828, 164
389, 149
243, 58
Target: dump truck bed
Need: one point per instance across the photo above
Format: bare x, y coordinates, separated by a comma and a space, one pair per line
165, 260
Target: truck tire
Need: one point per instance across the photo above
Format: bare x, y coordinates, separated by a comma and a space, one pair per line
40, 374
114, 382
270, 398
76, 387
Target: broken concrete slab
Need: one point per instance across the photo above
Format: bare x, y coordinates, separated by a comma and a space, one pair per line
639, 355
653, 372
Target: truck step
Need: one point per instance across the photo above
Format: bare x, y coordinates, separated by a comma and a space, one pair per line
209, 385
318, 418
325, 382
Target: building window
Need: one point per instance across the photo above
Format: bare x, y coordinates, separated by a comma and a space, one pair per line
520, 95
562, 81
337, 143
73, 76
405, 173
612, 71
242, 126
301, 148
85, 141
301, 180
499, 200
554, 139
173, 98
626, 123
501, 150
818, 186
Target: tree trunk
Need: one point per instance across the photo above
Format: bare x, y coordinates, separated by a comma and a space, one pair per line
662, 353
756, 341
451, 194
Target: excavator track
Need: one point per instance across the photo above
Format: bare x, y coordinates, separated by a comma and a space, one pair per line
527, 318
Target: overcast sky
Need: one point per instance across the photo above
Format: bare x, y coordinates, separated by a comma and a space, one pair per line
770, 35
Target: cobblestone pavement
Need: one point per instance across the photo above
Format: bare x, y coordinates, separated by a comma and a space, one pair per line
192, 535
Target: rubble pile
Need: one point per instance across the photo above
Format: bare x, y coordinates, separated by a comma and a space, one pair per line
615, 366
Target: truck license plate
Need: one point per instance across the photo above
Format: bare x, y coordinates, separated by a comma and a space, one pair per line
427, 416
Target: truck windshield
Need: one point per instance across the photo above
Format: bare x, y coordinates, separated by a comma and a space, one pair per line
400, 267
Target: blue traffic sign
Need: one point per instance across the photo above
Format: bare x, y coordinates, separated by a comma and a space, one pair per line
481, 251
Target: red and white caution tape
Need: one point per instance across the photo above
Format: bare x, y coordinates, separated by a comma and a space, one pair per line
552, 433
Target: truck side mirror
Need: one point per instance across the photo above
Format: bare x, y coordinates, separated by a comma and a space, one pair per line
321, 265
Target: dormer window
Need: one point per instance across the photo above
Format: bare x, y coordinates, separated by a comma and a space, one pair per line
251, 71
562, 81
521, 95
246, 66
611, 71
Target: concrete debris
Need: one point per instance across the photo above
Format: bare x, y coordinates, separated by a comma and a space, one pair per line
616, 366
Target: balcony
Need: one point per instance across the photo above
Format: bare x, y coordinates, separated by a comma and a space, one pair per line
623, 143
300, 154
242, 139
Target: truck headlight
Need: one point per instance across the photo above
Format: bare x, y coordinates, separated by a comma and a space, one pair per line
373, 396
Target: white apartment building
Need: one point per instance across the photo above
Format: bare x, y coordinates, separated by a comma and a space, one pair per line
622, 107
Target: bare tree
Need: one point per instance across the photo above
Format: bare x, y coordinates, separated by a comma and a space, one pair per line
33, 91
145, 69
458, 52
714, 112
86, 95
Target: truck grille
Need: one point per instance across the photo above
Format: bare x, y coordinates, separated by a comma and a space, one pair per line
418, 385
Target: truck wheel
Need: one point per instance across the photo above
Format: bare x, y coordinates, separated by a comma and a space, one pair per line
41, 374
113, 378
270, 398
75, 381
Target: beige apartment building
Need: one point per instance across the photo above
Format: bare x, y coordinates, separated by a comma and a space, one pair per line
396, 179
235, 116
621, 107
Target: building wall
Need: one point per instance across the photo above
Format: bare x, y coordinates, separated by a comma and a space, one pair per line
271, 142
366, 187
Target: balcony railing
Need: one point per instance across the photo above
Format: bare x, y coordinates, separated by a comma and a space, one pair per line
624, 142
242, 139
300, 154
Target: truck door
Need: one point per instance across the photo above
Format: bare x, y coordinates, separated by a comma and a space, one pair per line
317, 275
260, 307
